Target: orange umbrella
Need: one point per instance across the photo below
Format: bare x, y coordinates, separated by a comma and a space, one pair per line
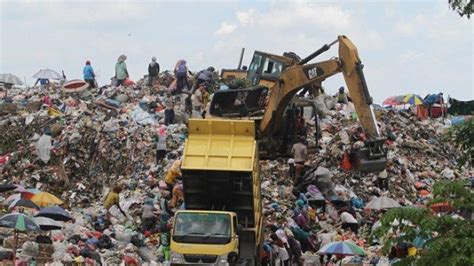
44, 199
442, 207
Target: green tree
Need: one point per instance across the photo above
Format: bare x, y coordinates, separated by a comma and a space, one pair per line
462, 135
449, 241
462, 7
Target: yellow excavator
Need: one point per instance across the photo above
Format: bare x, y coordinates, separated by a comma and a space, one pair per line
276, 81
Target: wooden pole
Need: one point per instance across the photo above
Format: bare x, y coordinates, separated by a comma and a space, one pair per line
15, 240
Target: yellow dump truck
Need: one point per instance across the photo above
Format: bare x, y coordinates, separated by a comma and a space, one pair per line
222, 220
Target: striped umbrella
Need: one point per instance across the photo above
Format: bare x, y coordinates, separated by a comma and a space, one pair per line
342, 248
19, 222
412, 99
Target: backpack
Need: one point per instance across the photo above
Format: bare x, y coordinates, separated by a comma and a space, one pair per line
181, 69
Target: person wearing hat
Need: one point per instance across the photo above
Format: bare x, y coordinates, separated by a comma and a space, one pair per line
342, 96
121, 72
153, 71
89, 75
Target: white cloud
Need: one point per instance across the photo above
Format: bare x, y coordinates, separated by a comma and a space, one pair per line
225, 29
246, 17
404, 28
409, 56
300, 14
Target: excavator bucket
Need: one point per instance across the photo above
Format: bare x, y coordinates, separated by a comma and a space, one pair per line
371, 158
238, 103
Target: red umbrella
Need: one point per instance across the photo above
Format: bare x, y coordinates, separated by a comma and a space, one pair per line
391, 101
442, 207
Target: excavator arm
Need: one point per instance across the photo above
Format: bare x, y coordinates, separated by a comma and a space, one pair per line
372, 157
302, 74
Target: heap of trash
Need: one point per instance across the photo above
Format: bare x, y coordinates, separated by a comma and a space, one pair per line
78, 146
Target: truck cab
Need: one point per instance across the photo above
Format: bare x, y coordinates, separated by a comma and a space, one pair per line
196, 235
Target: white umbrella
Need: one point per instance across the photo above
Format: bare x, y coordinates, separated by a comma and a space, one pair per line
47, 224
382, 202
47, 74
10, 79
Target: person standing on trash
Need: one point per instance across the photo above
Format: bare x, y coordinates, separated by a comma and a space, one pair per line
342, 96
198, 99
113, 199
89, 75
383, 180
121, 72
161, 148
178, 196
169, 109
148, 216
279, 247
153, 71
296, 255
188, 104
172, 174
181, 74
44, 83
299, 152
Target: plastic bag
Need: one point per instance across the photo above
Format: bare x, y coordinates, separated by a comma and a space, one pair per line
43, 148
142, 117
29, 249
146, 254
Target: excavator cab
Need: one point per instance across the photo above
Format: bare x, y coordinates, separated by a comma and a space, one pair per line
265, 68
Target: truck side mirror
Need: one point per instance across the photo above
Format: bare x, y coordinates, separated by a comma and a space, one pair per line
239, 229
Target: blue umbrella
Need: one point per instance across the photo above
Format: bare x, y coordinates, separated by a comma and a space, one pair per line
342, 248
55, 213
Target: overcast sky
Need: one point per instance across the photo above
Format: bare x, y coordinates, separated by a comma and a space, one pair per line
408, 46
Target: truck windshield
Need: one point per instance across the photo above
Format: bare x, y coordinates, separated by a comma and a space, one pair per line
206, 228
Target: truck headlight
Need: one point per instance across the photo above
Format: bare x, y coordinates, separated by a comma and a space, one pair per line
223, 262
176, 258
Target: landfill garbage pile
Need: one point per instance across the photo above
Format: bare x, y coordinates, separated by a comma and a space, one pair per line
418, 155
79, 146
